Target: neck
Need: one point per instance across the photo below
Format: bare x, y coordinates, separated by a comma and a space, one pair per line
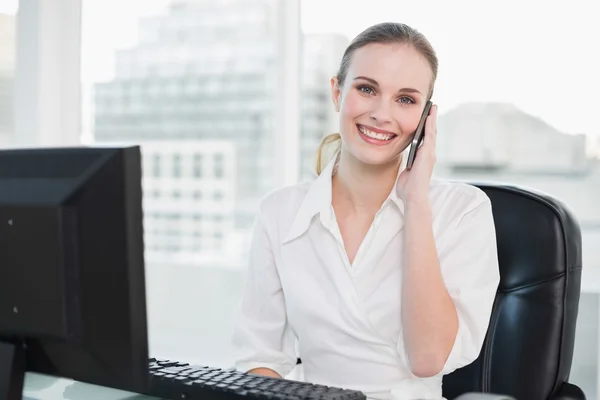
361, 187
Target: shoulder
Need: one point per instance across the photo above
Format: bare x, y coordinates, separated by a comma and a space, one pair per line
465, 194
451, 200
279, 207
465, 237
284, 200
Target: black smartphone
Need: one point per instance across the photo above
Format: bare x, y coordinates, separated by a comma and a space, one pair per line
418, 136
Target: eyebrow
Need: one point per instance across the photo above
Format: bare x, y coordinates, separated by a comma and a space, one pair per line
374, 83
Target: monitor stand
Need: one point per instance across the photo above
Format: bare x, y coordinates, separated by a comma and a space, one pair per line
12, 371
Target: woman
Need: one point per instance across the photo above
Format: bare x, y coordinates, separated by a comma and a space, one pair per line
382, 277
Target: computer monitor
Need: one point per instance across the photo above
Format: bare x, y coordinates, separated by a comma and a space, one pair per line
72, 285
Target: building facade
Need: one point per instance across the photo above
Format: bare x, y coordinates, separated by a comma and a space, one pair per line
203, 77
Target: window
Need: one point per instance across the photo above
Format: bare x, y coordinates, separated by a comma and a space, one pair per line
197, 166
156, 166
219, 167
177, 166
218, 196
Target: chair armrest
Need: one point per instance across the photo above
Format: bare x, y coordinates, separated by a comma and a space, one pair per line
484, 396
569, 391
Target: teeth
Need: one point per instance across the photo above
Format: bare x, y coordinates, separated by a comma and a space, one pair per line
375, 135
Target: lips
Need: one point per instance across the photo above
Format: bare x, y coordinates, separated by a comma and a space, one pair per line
375, 136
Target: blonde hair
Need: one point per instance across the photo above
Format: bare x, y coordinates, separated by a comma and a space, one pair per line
384, 33
325, 150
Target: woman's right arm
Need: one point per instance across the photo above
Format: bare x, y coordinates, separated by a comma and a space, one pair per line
262, 339
264, 372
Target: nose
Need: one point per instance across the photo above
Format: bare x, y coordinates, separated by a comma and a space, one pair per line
381, 111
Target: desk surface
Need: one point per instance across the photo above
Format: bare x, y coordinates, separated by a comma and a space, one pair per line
42, 387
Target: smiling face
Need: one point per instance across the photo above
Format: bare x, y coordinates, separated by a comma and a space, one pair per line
380, 101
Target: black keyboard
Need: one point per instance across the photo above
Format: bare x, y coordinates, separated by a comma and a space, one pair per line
176, 380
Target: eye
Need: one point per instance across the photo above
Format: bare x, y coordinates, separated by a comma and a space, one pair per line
366, 89
406, 100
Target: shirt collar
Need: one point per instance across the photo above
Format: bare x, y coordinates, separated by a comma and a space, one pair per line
318, 200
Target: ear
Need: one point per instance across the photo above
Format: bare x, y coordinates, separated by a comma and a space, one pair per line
335, 93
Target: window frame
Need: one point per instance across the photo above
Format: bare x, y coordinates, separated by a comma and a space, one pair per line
48, 74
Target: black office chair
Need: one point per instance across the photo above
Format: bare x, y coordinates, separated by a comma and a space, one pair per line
528, 350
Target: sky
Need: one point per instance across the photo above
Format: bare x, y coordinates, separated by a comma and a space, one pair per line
538, 55
9, 7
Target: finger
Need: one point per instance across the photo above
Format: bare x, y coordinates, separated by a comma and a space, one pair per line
430, 130
432, 124
434, 120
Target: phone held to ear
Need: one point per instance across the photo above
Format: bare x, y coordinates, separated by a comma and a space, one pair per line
418, 136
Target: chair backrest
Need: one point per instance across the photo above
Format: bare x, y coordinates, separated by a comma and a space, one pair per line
528, 350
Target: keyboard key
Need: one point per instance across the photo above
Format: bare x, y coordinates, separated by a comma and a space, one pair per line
172, 370
167, 363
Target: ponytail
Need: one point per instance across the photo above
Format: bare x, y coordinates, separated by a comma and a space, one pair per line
324, 156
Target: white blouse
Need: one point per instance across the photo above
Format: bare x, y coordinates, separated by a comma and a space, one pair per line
303, 298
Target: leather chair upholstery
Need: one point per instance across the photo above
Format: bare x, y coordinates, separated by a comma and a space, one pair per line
528, 350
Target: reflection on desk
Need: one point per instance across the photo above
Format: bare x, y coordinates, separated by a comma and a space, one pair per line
43, 387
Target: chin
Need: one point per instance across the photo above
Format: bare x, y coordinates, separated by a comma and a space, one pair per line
377, 159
